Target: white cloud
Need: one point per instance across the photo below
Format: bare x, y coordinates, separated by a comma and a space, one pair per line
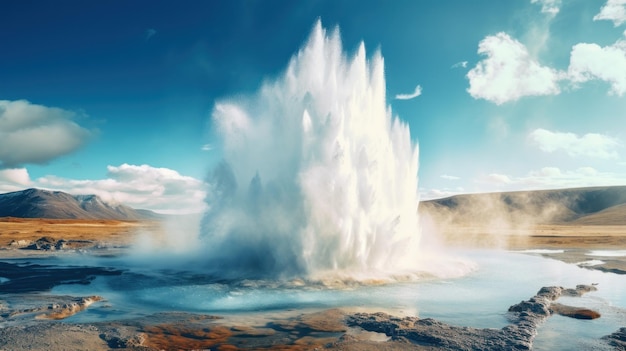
462, 64
13, 179
590, 145
550, 7
143, 187
588, 171
509, 72
449, 177
206, 147
591, 61
413, 95
36, 134
497, 178
544, 178
429, 194
551, 178
613, 10
547, 172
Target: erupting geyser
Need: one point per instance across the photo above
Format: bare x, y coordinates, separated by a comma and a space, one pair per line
318, 176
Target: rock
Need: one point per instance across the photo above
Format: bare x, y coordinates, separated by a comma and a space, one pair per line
574, 312
47, 243
580, 290
44, 243
381, 322
123, 339
61, 244
539, 306
20, 243
617, 339
69, 309
517, 336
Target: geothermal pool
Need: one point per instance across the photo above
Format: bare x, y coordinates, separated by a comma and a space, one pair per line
478, 299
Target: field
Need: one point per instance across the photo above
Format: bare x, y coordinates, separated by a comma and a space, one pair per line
110, 232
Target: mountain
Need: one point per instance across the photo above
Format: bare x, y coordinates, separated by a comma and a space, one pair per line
37, 203
584, 206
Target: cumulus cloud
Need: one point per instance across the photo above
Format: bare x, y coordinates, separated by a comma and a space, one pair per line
590, 145
591, 61
509, 72
161, 189
13, 179
145, 187
550, 7
497, 178
413, 95
613, 10
37, 134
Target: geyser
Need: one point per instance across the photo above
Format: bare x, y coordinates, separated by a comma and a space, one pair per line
317, 176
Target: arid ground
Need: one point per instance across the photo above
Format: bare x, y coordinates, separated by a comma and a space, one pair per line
111, 232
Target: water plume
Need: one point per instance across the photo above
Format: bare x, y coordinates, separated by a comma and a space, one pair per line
317, 175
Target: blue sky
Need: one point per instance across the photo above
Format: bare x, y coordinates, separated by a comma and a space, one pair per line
115, 97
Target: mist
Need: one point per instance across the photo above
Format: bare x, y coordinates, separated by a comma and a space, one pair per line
500, 219
317, 175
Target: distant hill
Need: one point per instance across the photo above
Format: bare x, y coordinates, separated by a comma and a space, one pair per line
585, 206
37, 203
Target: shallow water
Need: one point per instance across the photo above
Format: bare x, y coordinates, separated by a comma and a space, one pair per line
479, 299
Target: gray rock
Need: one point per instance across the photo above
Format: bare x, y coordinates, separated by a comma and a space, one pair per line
61, 244
20, 243
526, 316
617, 339
118, 338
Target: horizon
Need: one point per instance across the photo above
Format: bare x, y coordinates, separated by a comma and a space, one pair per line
421, 199
507, 96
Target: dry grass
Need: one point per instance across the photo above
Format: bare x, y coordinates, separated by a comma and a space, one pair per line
538, 236
109, 231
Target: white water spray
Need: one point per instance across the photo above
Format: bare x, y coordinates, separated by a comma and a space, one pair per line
318, 176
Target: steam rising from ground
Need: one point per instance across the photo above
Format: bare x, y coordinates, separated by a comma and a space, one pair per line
317, 174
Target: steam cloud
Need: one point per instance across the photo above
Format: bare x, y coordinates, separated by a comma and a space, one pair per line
317, 175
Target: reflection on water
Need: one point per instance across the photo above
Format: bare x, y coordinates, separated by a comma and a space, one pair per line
479, 299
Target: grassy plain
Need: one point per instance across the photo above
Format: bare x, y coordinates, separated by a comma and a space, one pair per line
112, 232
